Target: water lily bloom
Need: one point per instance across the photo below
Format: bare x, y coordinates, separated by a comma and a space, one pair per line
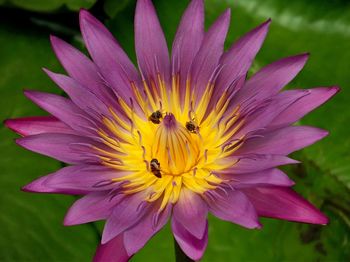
184, 135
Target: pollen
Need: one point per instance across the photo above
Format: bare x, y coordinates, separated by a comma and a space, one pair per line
162, 153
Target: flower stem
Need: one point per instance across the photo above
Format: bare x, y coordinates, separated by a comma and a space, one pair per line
180, 256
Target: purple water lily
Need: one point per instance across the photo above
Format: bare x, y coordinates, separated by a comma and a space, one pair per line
180, 137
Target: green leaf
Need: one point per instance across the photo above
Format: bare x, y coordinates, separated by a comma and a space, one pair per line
112, 7
51, 5
31, 224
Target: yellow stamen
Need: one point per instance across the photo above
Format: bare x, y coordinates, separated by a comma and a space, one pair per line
181, 157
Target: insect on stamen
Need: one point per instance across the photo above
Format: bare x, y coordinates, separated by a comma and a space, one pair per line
155, 167
192, 126
155, 117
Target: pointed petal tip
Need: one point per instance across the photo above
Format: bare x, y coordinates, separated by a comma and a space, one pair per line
29, 93
255, 225
322, 133
105, 237
32, 94
264, 26
24, 142
112, 251
20, 141
69, 221
299, 60
324, 221
83, 10
291, 183
11, 124
46, 71
55, 40
293, 161
335, 89
303, 57
284, 203
318, 218
225, 17
194, 248
28, 188
86, 18
84, 13
71, 218
317, 133
57, 45
52, 75
223, 20
258, 226
37, 186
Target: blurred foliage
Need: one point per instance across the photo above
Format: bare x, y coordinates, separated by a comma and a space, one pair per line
112, 8
31, 227
49, 5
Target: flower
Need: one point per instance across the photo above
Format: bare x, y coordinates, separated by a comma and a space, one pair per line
179, 138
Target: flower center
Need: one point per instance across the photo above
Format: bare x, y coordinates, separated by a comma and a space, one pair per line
160, 143
175, 147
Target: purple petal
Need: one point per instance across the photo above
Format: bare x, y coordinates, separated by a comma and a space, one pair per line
235, 207
264, 113
81, 178
228, 94
59, 147
37, 125
151, 47
80, 68
207, 58
191, 211
82, 97
272, 78
115, 66
315, 98
193, 247
92, 207
256, 162
113, 251
271, 176
283, 141
61, 108
239, 58
136, 237
188, 40
125, 215
284, 203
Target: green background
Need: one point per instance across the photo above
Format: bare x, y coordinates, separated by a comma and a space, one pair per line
31, 224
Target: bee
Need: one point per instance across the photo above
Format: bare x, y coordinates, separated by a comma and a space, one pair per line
155, 167
192, 126
155, 117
